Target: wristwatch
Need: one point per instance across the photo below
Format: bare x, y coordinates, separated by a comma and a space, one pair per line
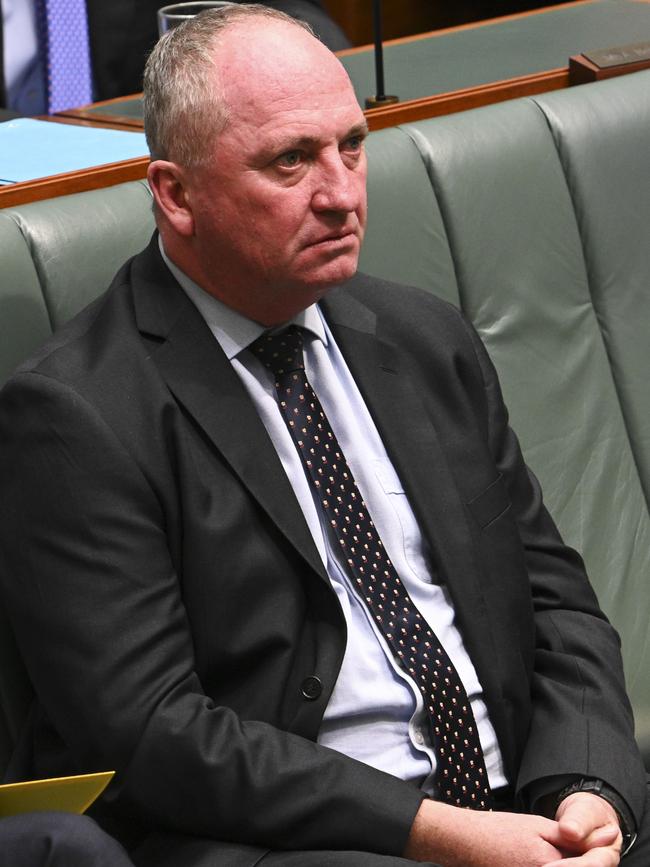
600, 788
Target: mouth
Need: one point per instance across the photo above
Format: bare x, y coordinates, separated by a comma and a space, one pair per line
334, 239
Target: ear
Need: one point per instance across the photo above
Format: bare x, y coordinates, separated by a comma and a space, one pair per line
169, 189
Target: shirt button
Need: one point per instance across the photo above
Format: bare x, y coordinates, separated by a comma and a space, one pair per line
311, 687
418, 737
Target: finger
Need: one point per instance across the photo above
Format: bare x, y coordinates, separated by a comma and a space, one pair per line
579, 817
608, 835
552, 834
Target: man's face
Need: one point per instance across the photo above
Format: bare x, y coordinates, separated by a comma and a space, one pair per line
280, 207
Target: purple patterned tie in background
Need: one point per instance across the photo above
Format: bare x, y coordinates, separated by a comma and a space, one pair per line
64, 31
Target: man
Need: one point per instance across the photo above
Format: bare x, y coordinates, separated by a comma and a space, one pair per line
121, 34
283, 663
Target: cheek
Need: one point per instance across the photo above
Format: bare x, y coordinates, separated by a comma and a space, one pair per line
283, 224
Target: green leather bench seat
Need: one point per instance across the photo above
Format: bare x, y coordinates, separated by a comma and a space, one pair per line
534, 217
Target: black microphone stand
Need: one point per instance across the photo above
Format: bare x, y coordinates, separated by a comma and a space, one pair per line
380, 98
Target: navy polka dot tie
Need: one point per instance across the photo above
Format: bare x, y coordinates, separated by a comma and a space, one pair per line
461, 775
63, 29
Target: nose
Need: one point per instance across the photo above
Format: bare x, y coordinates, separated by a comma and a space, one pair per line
338, 187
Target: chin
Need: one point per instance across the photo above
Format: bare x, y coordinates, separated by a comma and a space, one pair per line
336, 272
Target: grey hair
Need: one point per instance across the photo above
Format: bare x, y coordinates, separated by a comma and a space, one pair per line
184, 106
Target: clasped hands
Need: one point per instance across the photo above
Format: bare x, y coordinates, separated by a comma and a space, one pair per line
584, 833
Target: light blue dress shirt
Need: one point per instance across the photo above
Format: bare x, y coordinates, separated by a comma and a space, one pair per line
23, 66
375, 713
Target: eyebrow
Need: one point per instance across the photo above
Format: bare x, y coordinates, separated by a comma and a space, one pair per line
359, 129
307, 141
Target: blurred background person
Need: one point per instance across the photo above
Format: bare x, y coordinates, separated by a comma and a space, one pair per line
98, 48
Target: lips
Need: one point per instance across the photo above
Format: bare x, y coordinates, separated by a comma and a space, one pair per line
333, 237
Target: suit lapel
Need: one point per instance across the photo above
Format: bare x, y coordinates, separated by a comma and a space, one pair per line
381, 372
202, 379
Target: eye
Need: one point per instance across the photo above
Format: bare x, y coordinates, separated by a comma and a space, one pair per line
354, 143
290, 160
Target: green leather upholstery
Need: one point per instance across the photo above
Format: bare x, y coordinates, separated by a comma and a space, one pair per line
534, 217
24, 320
611, 196
77, 242
612, 203
403, 216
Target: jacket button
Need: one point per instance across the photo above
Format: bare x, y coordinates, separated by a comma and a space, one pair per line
311, 687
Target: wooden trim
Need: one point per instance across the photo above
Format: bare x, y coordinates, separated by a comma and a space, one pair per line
114, 100
73, 182
471, 25
86, 115
118, 121
77, 119
467, 98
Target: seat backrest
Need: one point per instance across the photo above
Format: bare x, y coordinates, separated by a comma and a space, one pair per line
24, 320
603, 147
60, 254
406, 240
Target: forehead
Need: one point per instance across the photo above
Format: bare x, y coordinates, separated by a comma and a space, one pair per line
271, 73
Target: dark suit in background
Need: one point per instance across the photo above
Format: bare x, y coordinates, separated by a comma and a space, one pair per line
154, 558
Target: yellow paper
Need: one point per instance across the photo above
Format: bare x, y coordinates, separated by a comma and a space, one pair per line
69, 794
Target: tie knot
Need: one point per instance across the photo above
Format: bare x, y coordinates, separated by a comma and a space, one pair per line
281, 352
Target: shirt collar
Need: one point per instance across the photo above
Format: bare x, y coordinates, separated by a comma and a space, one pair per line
235, 332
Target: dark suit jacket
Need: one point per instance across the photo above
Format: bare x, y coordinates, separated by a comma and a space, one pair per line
171, 605
122, 33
